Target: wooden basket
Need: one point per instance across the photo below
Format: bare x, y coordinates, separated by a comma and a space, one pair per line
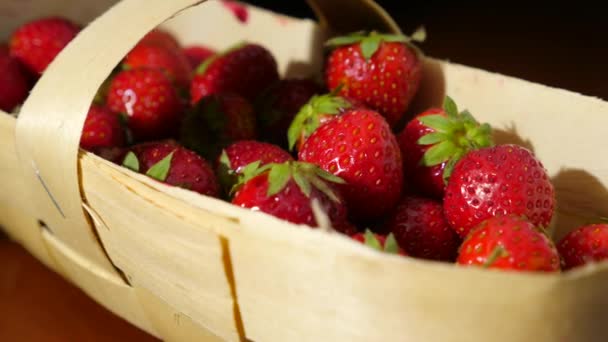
186, 267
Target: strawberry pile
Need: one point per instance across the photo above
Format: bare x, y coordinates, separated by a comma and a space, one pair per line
430, 185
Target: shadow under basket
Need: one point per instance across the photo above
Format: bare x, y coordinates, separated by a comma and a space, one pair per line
186, 267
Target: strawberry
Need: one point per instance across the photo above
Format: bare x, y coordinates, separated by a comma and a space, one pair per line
584, 245
162, 38
500, 180
215, 122
287, 190
382, 71
246, 69
420, 227
149, 101
379, 242
168, 162
102, 128
241, 153
172, 61
279, 104
359, 147
319, 110
509, 242
433, 141
38, 42
13, 82
197, 54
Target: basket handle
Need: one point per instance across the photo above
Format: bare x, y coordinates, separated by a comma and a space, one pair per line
51, 120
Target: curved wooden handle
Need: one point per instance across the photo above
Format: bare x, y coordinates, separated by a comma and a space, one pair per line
344, 16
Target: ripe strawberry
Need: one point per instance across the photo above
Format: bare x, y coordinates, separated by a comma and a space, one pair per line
584, 245
433, 141
38, 42
319, 110
13, 82
149, 101
102, 128
382, 71
379, 242
287, 190
421, 229
168, 162
359, 147
197, 54
510, 243
172, 61
242, 153
279, 104
162, 38
494, 181
246, 69
215, 122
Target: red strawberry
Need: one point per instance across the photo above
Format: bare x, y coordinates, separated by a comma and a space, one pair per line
494, 181
197, 54
217, 121
379, 242
279, 104
319, 110
510, 243
584, 245
162, 38
13, 82
286, 191
173, 164
434, 141
381, 71
149, 100
420, 227
38, 42
102, 128
246, 69
172, 61
359, 147
242, 153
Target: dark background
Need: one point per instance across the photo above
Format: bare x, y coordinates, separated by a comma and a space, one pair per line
557, 44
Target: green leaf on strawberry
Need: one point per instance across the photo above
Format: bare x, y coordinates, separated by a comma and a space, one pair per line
370, 42
454, 134
131, 162
160, 170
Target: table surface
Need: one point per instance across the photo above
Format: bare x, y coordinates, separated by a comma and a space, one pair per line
557, 46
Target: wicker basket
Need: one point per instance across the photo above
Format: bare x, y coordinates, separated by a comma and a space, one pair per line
186, 267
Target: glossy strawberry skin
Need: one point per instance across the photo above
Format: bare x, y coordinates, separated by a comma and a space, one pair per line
244, 152
217, 121
584, 245
172, 61
381, 238
188, 170
419, 226
500, 180
359, 147
160, 37
149, 100
246, 70
37, 43
13, 82
279, 105
102, 128
424, 180
387, 82
526, 248
197, 54
290, 204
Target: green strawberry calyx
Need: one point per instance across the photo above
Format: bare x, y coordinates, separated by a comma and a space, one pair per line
455, 134
309, 117
370, 41
158, 171
305, 175
390, 244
